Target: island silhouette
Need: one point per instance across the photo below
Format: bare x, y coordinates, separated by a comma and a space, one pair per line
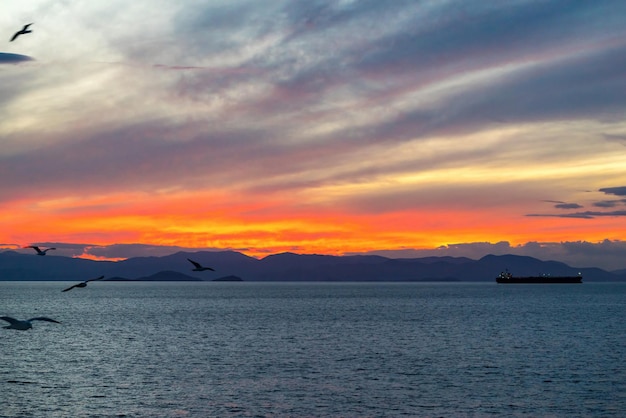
235, 266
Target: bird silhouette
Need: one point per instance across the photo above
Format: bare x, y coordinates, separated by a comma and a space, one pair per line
24, 31
24, 325
82, 284
40, 251
198, 266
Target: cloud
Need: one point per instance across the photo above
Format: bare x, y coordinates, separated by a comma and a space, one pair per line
7, 58
110, 252
564, 205
548, 82
582, 215
366, 108
609, 203
123, 251
618, 191
615, 138
567, 206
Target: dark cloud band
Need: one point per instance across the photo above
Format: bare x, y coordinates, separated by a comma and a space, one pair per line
6, 58
617, 191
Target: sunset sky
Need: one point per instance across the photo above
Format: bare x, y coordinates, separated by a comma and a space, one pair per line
403, 128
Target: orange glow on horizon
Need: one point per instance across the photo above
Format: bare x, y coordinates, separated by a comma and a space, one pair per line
278, 223
92, 257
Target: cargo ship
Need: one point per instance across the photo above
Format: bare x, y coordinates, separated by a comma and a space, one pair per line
506, 277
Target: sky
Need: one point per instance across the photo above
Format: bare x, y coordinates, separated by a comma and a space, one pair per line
400, 128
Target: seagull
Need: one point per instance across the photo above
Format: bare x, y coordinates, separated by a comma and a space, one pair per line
82, 284
39, 251
198, 266
24, 325
24, 31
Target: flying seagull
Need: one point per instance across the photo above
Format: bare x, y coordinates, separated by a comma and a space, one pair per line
198, 266
24, 325
39, 251
24, 31
82, 284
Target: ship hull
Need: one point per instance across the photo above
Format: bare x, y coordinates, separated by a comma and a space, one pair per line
540, 280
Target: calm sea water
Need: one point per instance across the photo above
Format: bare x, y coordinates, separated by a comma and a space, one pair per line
314, 349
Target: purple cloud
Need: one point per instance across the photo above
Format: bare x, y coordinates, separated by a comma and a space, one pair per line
567, 206
582, 215
618, 191
609, 203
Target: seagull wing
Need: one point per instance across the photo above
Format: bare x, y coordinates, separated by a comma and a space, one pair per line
93, 280
21, 32
43, 318
9, 319
194, 263
36, 248
69, 288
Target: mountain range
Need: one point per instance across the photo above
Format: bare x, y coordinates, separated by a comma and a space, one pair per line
235, 266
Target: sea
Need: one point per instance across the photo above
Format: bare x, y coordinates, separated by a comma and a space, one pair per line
249, 349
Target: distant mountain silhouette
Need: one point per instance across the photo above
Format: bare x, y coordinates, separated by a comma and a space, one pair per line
228, 279
288, 267
173, 276
167, 276
621, 272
